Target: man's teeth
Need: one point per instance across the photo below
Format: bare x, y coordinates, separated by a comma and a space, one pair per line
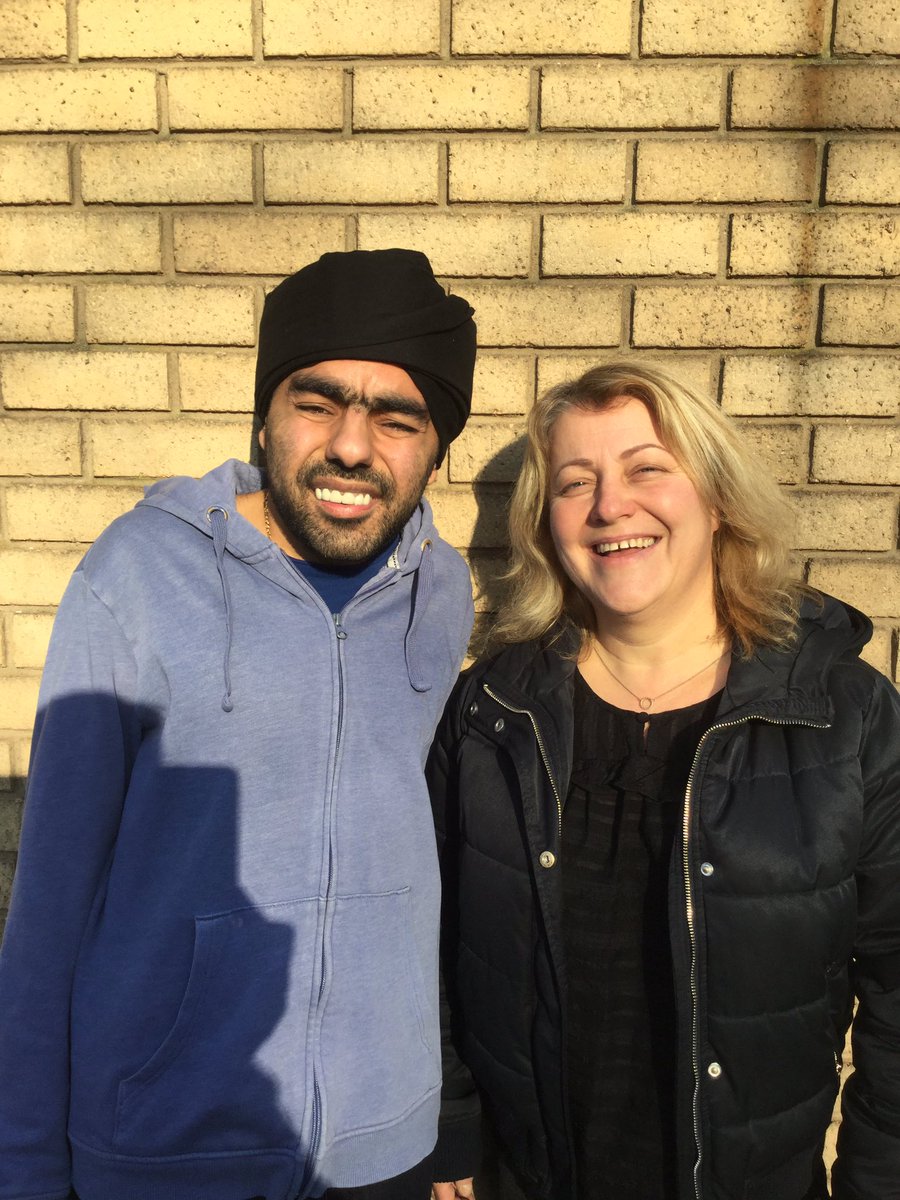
627, 544
355, 498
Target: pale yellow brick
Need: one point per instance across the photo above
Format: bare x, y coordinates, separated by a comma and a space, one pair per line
696, 371
842, 96
18, 701
35, 577
160, 29
863, 172
465, 518
489, 449
452, 96
551, 314
630, 243
616, 95
266, 243
190, 446
58, 98
864, 27
456, 243
825, 384
855, 452
21, 752
170, 314
44, 241
368, 171
96, 379
879, 654
357, 27
33, 29
32, 173
557, 170
295, 97
171, 172
5, 768
718, 171
867, 584
41, 447
844, 521
732, 27
722, 315
67, 513
822, 244
534, 27
218, 382
861, 315
29, 638
37, 312
781, 447
504, 383
10, 821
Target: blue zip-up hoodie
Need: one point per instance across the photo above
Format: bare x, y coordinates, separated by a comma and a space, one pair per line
219, 976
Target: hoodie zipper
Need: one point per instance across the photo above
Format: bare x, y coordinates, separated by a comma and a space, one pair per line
540, 741
316, 1134
689, 910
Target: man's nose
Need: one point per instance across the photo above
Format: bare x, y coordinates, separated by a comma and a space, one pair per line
351, 438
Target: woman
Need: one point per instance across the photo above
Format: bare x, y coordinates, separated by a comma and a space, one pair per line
668, 813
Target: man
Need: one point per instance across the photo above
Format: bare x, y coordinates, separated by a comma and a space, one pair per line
219, 978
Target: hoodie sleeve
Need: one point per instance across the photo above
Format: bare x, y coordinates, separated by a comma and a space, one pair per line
85, 737
868, 1164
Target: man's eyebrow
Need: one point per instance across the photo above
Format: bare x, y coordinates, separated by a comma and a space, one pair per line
383, 402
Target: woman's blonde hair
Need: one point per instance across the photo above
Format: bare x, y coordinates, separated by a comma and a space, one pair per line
756, 595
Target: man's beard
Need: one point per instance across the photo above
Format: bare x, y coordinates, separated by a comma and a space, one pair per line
340, 541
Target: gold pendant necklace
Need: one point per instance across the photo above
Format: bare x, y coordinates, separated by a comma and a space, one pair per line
645, 703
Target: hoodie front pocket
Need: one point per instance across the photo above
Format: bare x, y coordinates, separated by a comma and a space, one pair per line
379, 1022
230, 1073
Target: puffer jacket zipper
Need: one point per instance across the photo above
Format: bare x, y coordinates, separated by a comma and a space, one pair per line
691, 924
545, 758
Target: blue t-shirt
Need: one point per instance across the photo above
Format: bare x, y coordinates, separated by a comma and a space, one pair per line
337, 585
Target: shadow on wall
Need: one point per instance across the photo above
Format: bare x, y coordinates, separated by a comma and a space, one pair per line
130, 883
489, 556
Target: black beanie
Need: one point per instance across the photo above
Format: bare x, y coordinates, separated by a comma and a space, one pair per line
378, 306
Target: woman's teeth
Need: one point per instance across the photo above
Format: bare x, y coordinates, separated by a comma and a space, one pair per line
333, 497
627, 544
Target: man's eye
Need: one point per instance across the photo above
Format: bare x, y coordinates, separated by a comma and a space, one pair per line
393, 425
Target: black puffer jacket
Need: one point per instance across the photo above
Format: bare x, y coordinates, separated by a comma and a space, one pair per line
784, 900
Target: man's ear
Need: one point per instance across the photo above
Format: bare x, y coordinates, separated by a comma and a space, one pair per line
261, 437
433, 476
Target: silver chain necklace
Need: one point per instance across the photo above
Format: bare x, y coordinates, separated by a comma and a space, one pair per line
645, 703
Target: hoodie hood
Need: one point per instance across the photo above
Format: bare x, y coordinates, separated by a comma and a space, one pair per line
209, 505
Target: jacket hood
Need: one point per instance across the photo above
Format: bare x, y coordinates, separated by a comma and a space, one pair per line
209, 505
828, 631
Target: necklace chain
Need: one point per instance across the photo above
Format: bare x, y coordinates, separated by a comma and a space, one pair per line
645, 703
266, 513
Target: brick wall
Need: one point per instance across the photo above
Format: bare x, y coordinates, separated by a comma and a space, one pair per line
716, 186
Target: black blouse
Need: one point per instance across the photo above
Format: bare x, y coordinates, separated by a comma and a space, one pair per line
620, 824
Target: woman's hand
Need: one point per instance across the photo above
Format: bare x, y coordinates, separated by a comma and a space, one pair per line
460, 1189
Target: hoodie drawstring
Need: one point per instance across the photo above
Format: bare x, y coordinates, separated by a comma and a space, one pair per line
218, 519
420, 596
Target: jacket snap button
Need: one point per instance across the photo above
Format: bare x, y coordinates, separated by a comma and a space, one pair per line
707, 869
547, 859
714, 1070
499, 725
473, 708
